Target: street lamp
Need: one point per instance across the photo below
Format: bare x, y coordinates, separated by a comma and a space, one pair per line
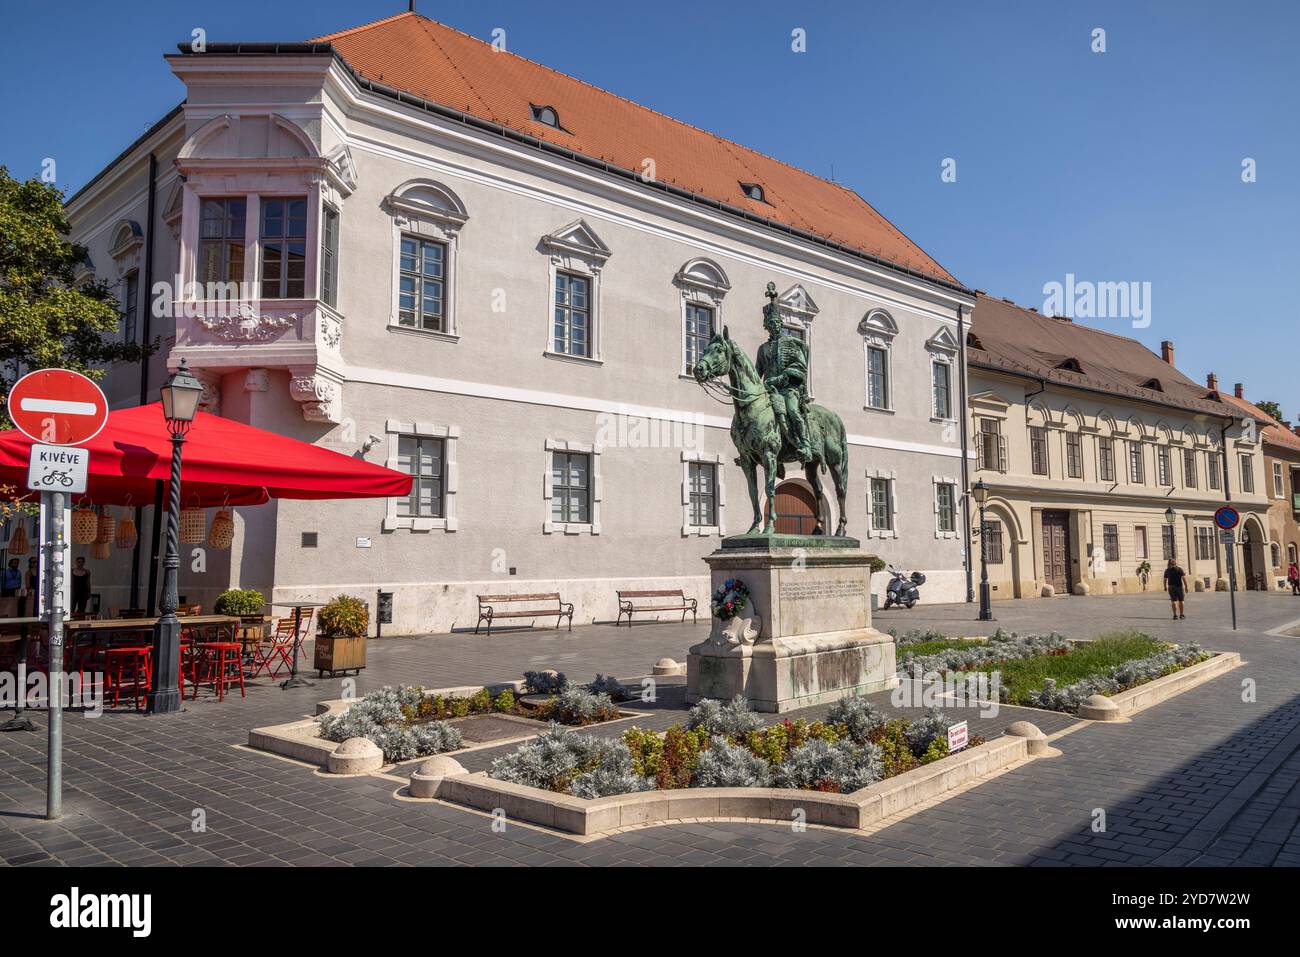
980, 491
180, 403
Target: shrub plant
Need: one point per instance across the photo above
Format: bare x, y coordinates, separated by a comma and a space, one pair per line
727, 765
395, 719
344, 617
733, 719
544, 682
578, 706
565, 761
239, 601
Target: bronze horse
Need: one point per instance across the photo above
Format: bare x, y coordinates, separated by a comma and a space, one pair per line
756, 435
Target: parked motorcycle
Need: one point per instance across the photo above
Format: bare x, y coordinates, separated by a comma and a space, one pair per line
903, 589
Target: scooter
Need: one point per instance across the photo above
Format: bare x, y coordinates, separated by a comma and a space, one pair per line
903, 589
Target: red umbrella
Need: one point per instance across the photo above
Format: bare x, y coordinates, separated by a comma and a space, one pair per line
224, 461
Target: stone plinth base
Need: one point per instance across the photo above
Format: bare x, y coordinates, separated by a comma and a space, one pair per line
806, 636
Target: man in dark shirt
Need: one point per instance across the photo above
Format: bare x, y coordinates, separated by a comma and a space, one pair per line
1174, 582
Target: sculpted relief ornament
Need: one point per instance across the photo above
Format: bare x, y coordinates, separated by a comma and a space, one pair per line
247, 325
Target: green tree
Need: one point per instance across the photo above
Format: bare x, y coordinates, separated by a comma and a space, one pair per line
1270, 408
46, 321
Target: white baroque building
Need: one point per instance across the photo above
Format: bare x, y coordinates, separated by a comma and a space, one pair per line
401, 243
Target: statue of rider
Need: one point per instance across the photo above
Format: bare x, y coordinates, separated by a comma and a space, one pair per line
783, 364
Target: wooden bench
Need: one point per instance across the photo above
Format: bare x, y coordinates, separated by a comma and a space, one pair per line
487, 612
674, 600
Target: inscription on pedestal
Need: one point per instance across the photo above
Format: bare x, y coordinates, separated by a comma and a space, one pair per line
821, 590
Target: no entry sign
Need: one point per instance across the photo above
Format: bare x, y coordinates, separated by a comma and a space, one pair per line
57, 407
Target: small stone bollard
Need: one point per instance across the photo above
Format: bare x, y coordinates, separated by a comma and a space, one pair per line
356, 756
666, 666
1098, 707
1048, 591
1035, 740
426, 778
1082, 588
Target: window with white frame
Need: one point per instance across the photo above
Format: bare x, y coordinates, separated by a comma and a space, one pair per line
572, 488
577, 257
1106, 458
329, 256
1164, 466
1291, 553
1038, 449
703, 499
1189, 468
427, 219
1247, 473
697, 333
945, 507
426, 452
1214, 469
941, 380
943, 374
991, 445
1206, 547
283, 242
1279, 483
703, 285
130, 305
882, 505
1136, 466
878, 330
1074, 454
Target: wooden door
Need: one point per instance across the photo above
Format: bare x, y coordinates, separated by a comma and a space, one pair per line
796, 509
1056, 551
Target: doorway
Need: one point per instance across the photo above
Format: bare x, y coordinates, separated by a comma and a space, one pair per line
795, 509
1056, 551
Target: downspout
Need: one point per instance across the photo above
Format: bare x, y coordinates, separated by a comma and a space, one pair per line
145, 331
965, 453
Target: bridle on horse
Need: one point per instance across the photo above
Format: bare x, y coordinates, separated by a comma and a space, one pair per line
716, 390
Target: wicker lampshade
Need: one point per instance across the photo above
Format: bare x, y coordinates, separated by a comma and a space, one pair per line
107, 528
126, 533
193, 525
99, 550
85, 526
222, 532
18, 538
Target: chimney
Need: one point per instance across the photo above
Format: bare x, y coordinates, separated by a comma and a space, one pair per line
1212, 382
1167, 351
1238, 391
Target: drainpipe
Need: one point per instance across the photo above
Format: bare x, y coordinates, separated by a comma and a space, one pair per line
965, 454
145, 330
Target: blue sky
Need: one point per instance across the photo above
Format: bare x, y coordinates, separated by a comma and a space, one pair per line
1122, 166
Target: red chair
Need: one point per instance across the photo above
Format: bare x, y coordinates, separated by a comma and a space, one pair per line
133, 664
220, 664
270, 656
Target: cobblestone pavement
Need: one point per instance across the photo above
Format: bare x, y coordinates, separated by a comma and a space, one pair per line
1205, 778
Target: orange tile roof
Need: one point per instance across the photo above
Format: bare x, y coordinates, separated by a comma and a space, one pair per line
1274, 432
435, 62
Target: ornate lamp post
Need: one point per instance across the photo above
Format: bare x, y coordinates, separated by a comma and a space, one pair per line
980, 492
1170, 518
180, 402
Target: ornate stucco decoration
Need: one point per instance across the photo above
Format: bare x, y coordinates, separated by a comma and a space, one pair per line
247, 325
320, 394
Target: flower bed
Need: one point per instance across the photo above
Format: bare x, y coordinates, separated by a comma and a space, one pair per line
397, 720
1048, 671
726, 745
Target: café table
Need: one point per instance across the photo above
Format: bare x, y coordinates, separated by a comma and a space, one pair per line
294, 680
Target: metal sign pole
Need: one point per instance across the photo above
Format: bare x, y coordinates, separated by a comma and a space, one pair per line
55, 548
1232, 583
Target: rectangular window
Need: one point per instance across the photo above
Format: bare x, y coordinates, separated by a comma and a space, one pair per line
1279, 485
221, 240
991, 535
1189, 468
1136, 467
1110, 542
1214, 469
329, 256
882, 506
284, 247
1248, 473
422, 459
704, 494
1038, 450
572, 314
991, 448
699, 330
130, 302
1164, 467
571, 487
1074, 454
1140, 542
1167, 547
1106, 459
1205, 543
877, 377
946, 501
422, 284
942, 390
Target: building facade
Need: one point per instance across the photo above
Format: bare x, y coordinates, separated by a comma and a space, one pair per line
403, 244
1282, 485
1103, 461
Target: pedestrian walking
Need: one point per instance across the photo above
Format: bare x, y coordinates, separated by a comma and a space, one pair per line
1175, 583
1293, 577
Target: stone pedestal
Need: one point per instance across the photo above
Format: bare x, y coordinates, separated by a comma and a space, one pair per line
806, 637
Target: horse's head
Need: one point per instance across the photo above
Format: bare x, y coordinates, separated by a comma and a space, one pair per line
715, 361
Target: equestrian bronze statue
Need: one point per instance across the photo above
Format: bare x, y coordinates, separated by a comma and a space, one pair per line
774, 422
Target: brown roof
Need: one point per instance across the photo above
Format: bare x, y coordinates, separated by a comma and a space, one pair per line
443, 65
1274, 432
1009, 338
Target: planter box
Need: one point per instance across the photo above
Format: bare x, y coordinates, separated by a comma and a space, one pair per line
339, 654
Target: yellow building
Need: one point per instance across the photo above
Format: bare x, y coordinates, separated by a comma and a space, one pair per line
1103, 461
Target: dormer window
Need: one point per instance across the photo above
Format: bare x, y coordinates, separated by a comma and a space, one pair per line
1070, 365
1154, 385
546, 115
754, 191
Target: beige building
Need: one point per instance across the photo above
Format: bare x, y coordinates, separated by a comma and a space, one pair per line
401, 243
1091, 445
